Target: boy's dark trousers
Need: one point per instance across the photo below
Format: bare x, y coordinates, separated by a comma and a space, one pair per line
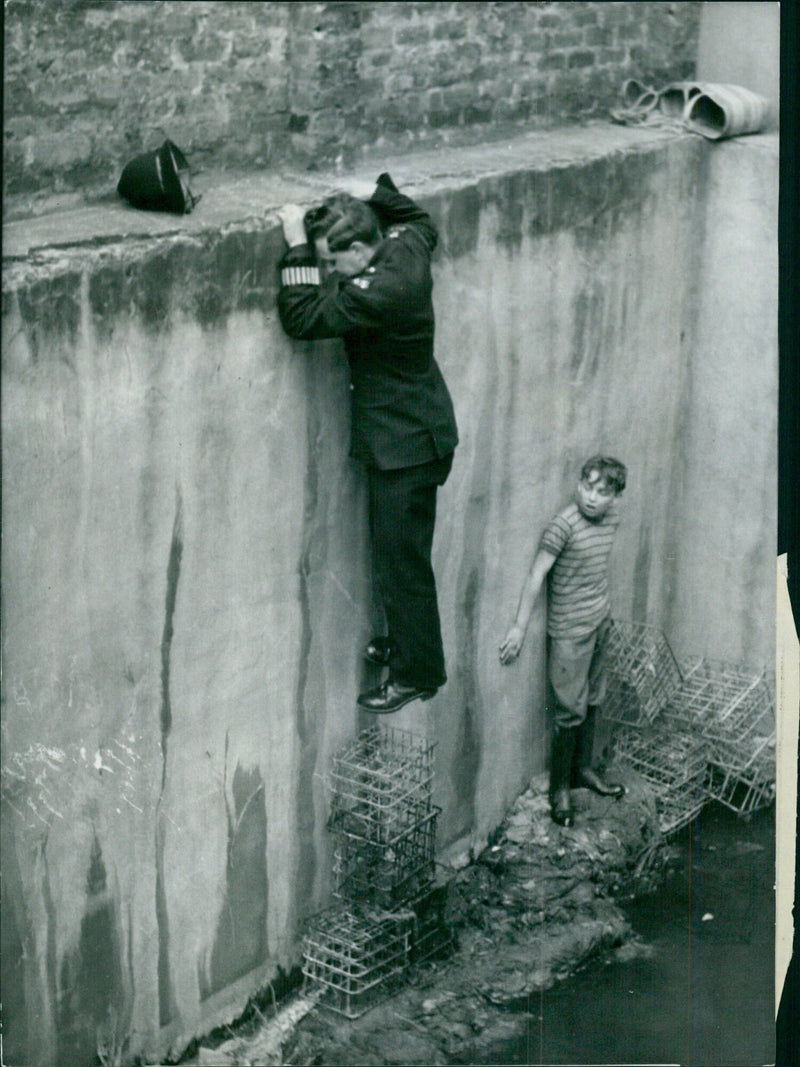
402, 516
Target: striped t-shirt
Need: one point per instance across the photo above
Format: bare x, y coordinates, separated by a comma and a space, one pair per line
578, 581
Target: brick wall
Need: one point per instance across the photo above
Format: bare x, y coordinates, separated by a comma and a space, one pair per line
252, 85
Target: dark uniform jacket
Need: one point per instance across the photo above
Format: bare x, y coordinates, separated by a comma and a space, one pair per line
402, 413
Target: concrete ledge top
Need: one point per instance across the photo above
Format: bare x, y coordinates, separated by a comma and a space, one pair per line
234, 200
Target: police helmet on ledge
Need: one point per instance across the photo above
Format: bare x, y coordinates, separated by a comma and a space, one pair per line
158, 181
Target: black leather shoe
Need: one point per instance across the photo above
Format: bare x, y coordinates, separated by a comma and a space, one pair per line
391, 696
379, 650
593, 780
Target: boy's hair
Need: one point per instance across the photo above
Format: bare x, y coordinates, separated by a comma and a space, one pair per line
613, 473
342, 219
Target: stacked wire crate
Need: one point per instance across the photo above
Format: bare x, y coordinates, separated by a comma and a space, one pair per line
643, 673
694, 732
383, 818
389, 912
352, 956
675, 766
734, 710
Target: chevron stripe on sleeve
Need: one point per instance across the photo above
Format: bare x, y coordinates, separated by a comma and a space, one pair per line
300, 276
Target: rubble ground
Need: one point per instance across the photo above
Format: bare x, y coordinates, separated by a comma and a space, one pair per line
539, 902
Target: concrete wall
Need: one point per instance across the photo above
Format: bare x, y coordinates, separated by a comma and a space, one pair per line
185, 565
739, 42
89, 84
727, 471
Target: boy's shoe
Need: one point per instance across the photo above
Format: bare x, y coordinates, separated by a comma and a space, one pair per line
561, 753
390, 696
561, 808
379, 650
583, 773
593, 781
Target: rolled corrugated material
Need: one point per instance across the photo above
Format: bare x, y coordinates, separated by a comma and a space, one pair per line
673, 99
634, 92
725, 111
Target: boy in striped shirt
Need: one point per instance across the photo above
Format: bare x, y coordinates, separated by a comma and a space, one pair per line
574, 551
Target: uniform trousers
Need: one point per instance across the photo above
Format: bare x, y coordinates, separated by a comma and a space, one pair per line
402, 516
576, 675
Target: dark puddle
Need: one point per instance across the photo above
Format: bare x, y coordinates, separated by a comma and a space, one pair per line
700, 993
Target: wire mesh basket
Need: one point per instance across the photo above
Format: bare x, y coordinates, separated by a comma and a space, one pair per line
741, 791
381, 785
664, 758
679, 805
386, 875
356, 958
674, 765
643, 673
726, 703
734, 710
752, 756
708, 714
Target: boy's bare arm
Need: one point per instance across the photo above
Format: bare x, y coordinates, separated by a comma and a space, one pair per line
512, 643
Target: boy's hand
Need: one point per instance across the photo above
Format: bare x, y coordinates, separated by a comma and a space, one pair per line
294, 232
509, 649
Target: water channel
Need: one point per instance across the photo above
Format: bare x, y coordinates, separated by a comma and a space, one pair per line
700, 993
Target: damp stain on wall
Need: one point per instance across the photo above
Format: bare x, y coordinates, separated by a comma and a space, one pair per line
240, 944
91, 983
166, 999
467, 754
308, 748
